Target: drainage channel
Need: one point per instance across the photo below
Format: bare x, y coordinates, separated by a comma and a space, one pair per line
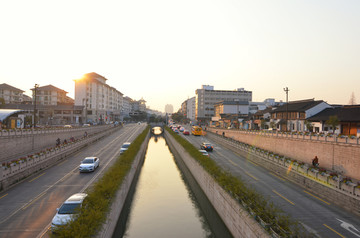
166, 201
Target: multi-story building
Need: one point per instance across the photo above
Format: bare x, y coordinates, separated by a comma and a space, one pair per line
190, 109
11, 94
51, 95
206, 97
169, 108
126, 109
102, 102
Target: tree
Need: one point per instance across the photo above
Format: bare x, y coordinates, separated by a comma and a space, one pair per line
333, 121
308, 125
2, 102
352, 100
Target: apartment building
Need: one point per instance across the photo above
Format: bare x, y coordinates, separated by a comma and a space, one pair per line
206, 97
190, 108
51, 95
102, 103
10, 94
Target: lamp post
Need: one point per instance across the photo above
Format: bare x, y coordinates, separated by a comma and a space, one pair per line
287, 107
35, 89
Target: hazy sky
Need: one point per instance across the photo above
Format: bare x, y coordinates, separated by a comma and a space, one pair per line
164, 50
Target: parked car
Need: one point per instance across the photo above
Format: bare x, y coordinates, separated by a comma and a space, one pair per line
204, 152
89, 164
67, 211
67, 126
206, 146
124, 147
186, 132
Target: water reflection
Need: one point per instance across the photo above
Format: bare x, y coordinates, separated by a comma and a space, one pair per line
162, 205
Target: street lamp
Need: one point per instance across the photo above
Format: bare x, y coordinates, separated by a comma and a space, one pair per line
287, 107
35, 89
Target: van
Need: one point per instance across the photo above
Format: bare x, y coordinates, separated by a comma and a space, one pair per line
67, 211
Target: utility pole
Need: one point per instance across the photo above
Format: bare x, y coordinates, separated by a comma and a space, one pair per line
287, 106
35, 89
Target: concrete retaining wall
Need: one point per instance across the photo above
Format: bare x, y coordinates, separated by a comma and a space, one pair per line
116, 208
16, 143
336, 193
237, 220
19, 171
340, 157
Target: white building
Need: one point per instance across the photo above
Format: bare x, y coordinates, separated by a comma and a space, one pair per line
102, 102
190, 108
10, 94
51, 95
206, 97
169, 108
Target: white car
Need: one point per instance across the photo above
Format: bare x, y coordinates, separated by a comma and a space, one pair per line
204, 152
124, 147
67, 211
89, 164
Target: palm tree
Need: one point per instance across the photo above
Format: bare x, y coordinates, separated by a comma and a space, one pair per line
333, 121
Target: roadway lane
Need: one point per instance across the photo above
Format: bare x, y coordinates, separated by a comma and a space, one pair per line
316, 214
28, 208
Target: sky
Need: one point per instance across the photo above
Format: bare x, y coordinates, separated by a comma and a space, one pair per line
163, 50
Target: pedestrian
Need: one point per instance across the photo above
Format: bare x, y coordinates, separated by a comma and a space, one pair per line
315, 161
57, 141
223, 134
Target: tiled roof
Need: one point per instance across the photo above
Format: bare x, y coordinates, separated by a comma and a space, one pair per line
298, 106
5, 86
50, 88
344, 114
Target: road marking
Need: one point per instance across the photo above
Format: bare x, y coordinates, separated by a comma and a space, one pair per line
317, 198
3, 196
232, 162
333, 230
34, 200
61, 163
277, 176
284, 197
36, 177
252, 162
349, 227
252, 176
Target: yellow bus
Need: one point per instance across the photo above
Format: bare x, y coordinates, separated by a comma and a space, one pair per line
196, 130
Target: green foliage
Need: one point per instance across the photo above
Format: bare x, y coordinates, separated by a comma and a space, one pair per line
333, 121
95, 207
268, 212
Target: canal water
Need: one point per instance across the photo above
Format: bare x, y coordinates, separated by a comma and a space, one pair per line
162, 204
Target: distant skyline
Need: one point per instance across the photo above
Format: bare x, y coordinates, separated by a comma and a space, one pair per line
164, 50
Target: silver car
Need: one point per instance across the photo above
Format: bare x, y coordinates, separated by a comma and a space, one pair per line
67, 211
124, 147
89, 164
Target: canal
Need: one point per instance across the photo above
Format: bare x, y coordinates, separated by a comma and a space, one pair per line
166, 201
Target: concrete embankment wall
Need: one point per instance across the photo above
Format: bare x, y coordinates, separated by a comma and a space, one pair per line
341, 197
18, 143
237, 220
116, 208
17, 172
341, 157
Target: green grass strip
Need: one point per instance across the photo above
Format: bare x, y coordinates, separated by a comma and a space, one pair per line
275, 217
100, 197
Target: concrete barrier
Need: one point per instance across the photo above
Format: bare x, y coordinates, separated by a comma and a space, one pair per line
23, 169
344, 195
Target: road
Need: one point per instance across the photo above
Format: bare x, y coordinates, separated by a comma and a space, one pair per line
316, 214
28, 208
